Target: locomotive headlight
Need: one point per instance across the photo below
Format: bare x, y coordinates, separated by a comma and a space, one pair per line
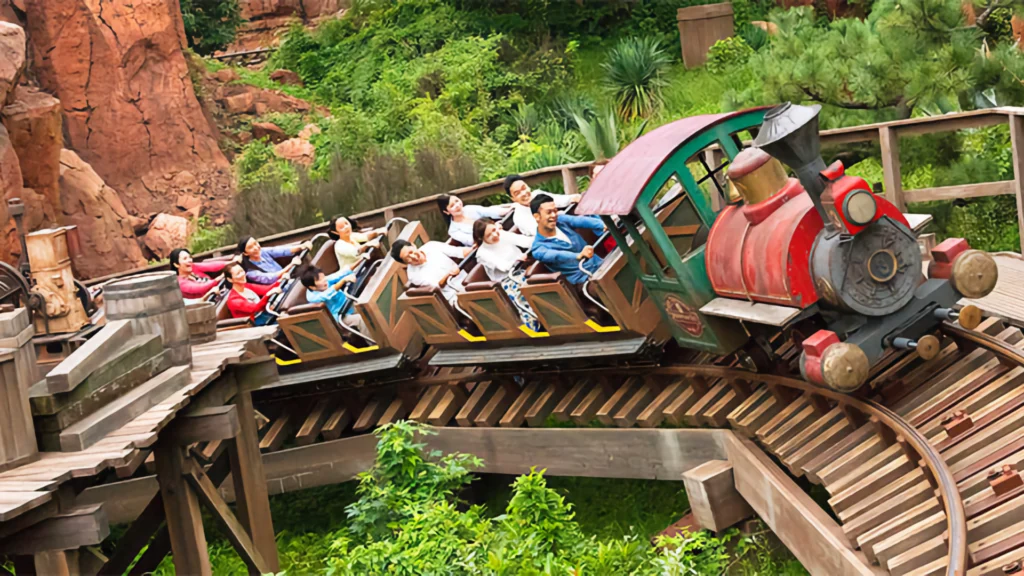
859, 207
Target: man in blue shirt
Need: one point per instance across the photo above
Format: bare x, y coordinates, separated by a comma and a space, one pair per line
558, 245
260, 263
330, 291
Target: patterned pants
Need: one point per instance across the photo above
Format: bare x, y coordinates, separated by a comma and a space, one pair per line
511, 285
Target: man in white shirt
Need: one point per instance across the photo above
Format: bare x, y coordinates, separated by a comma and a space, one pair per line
521, 194
431, 265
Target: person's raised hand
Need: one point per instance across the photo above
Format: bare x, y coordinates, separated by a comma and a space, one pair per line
466, 251
307, 245
587, 252
296, 261
575, 198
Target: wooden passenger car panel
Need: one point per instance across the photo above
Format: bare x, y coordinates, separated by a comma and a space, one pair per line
493, 313
557, 307
434, 319
314, 335
378, 303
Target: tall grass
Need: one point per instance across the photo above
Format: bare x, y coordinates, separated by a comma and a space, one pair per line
634, 73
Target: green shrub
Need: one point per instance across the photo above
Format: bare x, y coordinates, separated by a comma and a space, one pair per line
205, 236
727, 53
634, 73
210, 25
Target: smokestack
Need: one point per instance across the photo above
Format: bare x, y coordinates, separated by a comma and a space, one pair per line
790, 133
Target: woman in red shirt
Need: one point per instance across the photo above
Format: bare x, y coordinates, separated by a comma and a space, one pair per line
195, 278
248, 300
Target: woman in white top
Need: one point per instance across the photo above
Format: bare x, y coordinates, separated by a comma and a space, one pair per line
348, 244
521, 195
500, 253
460, 217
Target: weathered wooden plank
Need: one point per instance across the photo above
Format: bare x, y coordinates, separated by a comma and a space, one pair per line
813, 537
84, 526
181, 509
206, 425
123, 410
249, 480
314, 422
96, 351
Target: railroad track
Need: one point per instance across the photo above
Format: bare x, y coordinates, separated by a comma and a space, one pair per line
921, 472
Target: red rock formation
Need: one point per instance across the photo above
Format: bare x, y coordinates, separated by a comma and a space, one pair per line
34, 124
166, 233
307, 9
270, 131
106, 230
12, 57
296, 150
130, 108
10, 185
286, 77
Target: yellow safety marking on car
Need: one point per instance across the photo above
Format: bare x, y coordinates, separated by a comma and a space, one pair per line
286, 362
532, 334
602, 329
355, 350
470, 338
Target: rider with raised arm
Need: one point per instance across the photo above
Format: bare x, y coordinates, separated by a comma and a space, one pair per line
195, 278
260, 264
330, 290
431, 265
248, 300
349, 244
558, 245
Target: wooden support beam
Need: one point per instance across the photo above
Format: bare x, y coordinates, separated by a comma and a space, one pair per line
206, 425
181, 509
84, 526
809, 533
136, 538
891, 174
56, 563
1017, 144
713, 497
250, 482
314, 422
234, 530
337, 422
569, 182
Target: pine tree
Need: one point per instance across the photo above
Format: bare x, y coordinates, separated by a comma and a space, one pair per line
906, 55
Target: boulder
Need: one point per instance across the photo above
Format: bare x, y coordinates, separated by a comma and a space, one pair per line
34, 124
166, 232
286, 77
12, 58
239, 103
226, 75
308, 130
296, 150
104, 225
130, 109
270, 131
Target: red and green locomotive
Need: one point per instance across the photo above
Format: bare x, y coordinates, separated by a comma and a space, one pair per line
818, 256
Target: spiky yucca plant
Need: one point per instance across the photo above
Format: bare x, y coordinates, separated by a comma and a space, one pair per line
633, 74
601, 134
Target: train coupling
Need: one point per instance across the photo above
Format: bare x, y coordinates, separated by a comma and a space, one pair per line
828, 362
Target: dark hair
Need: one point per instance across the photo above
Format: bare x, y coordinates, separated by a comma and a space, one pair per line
396, 249
442, 204
242, 243
176, 255
332, 229
308, 275
538, 201
509, 181
230, 268
479, 229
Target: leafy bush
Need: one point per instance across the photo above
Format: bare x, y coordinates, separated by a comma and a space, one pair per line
634, 75
727, 53
601, 134
210, 25
207, 237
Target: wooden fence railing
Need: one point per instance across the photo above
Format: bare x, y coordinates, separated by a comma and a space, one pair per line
888, 135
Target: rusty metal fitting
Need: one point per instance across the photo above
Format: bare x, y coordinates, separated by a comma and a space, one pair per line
1005, 480
957, 423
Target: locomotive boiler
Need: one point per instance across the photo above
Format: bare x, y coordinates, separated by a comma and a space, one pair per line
825, 257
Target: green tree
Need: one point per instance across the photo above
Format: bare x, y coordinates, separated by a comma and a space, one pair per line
210, 25
907, 54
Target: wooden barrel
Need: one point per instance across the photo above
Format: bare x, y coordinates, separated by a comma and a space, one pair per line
153, 304
202, 322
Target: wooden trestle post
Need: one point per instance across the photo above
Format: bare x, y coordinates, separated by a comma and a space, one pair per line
181, 508
251, 499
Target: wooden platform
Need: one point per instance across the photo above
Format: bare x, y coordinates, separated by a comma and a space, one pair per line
33, 485
1006, 302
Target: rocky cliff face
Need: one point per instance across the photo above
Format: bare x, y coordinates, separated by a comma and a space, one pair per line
34, 167
129, 107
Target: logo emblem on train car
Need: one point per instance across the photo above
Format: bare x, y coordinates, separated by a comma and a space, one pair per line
683, 315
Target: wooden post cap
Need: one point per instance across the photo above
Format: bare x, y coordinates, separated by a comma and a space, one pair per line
970, 317
974, 274
845, 367
928, 347
1012, 568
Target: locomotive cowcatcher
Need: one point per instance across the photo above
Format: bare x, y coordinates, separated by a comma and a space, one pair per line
818, 256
